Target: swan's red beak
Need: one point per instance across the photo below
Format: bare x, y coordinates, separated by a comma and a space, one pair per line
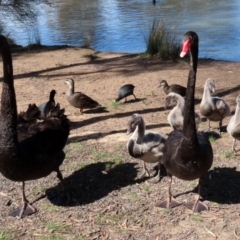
185, 48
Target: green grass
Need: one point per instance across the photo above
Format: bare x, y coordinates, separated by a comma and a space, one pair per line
195, 218
91, 56
228, 154
50, 207
52, 237
115, 105
116, 159
144, 101
54, 227
162, 41
59, 64
146, 188
211, 139
100, 155
6, 235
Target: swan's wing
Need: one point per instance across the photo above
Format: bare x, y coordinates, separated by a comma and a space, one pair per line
222, 106
153, 142
236, 132
44, 138
30, 116
134, 149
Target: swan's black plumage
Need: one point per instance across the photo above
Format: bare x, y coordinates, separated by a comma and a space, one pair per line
125, 91
28, 149
188, 154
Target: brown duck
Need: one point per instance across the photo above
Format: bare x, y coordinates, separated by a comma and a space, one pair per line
172, 88
79, 99
29, 149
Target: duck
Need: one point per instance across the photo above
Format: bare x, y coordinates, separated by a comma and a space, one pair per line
79, 99
175, 117
45, 107
212, 107
29, 149
172, 88
146, 146
233, 127
188, 154
125, 91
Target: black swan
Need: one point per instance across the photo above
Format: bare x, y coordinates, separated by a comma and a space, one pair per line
79, 99
188, 154
29, 150
172, 88
212, 107
45, 107
125, 91
233, 127
147, 146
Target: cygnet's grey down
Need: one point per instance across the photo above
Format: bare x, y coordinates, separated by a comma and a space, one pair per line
175, 117
212, 107
147, 146
233, 127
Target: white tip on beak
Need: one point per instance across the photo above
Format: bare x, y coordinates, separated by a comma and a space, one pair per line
183, 54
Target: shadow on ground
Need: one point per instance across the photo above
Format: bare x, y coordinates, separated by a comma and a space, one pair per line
97, 180
221, 185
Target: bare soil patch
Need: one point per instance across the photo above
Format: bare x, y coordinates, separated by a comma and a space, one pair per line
108, 203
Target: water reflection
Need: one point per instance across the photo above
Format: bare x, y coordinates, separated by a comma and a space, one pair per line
120, 25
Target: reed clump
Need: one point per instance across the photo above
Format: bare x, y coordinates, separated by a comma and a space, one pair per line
161, 41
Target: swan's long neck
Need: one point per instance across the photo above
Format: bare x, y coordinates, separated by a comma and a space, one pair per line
8, 119
189, 126
206, 93
180, 102
138, 133
237, 113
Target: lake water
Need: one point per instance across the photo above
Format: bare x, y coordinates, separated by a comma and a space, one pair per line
121, 25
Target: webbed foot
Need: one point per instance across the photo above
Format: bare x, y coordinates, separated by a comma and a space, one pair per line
197, 206
144, 172
169, 203
155, 179
23, 211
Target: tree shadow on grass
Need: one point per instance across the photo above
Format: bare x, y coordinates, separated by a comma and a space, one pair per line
97, 180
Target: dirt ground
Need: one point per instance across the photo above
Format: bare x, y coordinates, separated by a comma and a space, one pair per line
108, 201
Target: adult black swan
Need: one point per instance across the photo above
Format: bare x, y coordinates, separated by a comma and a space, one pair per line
29, 149
188, 154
